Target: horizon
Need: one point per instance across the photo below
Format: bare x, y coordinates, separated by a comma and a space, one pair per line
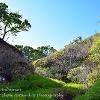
55, 22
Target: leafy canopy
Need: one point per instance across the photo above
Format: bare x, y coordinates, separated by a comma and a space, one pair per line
11, 22
33, 54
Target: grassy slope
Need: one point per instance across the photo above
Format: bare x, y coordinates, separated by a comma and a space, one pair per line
94, 91
39, 88
92, 94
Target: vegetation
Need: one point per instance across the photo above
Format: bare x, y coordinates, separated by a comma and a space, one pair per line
94, 52
77, 63
92, 94
41, 88
11, 22
81, 73
34, 54
73, 73
74, 58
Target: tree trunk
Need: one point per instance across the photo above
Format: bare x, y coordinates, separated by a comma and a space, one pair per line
4, 32
4, 35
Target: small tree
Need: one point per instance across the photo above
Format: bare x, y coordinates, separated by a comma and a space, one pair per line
46, 50
11, 22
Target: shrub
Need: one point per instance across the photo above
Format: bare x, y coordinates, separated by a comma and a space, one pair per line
75, 74
94, 52
42, 71
93, 76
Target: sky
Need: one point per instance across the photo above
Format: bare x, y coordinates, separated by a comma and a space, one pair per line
56, 22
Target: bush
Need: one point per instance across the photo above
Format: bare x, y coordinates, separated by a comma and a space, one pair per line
75, 74
94, 52
93, 76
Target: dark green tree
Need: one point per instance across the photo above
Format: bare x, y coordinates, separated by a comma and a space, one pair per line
46, 50
34, 54
30, 53
19, 47
11, 22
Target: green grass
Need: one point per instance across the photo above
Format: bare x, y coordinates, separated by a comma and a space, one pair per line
39, 94
38, 87
92, 94
71, 88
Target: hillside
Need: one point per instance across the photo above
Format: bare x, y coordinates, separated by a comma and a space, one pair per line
39, 88
73, 63
67, 74
13, 64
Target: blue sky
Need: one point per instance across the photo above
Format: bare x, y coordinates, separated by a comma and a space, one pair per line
56, 22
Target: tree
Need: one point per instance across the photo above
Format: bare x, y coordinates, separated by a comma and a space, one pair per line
11, 22
27, 51
19, 47
77, 40
33, 54
30, 53
46, 50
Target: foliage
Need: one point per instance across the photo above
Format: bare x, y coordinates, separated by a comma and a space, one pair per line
75, 74
11, 22
71, 61
92, 77
77, 40
92, 94
43, 62
42, 71
62, 62
94, 52
30, 53
72, 56
46, 50
34, 54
